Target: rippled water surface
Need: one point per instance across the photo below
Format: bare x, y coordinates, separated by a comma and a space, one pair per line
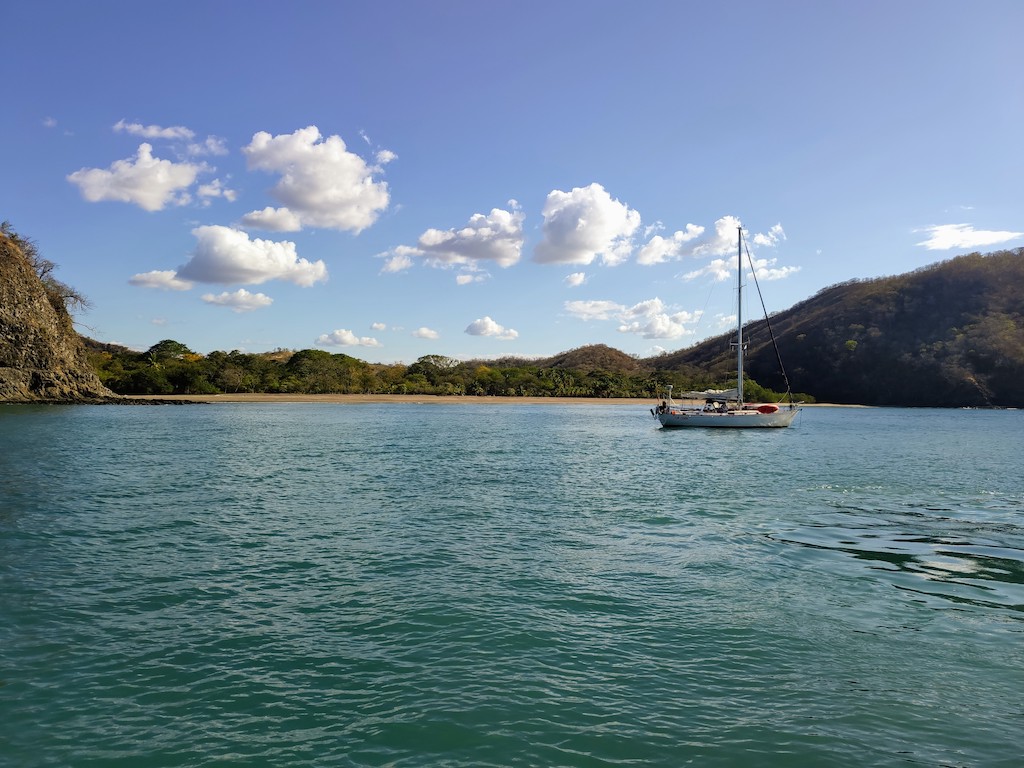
450, 585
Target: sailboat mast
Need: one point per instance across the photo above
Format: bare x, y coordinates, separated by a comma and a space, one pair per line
739, 316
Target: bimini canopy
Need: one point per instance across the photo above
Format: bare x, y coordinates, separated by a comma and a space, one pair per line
714, 395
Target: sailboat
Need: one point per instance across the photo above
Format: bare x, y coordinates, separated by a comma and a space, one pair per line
726, 408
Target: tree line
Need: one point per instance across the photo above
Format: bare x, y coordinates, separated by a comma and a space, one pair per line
171, 368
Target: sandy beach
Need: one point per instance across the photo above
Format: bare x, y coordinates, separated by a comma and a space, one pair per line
417, 399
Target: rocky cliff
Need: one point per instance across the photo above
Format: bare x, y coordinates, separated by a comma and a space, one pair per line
42, 358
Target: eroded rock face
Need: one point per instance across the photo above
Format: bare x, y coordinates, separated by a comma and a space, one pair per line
42, 358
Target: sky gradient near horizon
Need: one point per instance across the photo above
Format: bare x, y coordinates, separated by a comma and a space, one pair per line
470, 179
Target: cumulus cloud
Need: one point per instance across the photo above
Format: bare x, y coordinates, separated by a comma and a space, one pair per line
211, 145
718, 245
584, 224
215, 188
426, 333
224, 255
765, 269
466, 279
145, 181
239, 301
485, 326
494, 237
946, 236
378, 326
174, 132
575, 279
717, 269
696, 242
166, 279
273, 220
593, 309
398, 259
322, 184
660, 249
650, 319
497, 237
770, 238
343, 337
722, 269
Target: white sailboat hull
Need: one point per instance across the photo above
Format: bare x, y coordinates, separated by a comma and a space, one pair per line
743, 419
715, 413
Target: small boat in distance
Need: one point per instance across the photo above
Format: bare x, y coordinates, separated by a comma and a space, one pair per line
726, 408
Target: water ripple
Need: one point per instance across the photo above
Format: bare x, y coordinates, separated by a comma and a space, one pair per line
471, 586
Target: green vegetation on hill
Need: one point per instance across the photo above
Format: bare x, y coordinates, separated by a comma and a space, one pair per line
951, 334
170, 368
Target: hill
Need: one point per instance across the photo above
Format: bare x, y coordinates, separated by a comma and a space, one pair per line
594, 357
42, 358
950, 334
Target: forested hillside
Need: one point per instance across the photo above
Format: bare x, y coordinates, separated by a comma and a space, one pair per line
951, 334
169, 367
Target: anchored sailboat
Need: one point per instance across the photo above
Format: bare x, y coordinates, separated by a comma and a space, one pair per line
726, 408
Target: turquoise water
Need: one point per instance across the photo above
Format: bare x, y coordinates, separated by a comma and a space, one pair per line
449, 585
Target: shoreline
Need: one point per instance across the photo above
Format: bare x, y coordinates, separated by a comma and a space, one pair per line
264, 398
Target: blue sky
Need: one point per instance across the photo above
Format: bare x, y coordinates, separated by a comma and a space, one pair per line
474, 179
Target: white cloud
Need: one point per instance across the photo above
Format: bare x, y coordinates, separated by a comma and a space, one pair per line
722, 269
215, 188
378, 326
345, 338
239, 301
716, 269
771, 238
650, 319
322, 184
273, 220
495, 237
593, 309
398, 260
660, 249
146, 181
722, 241
225, 255
721, 245
584, 224
211, 145
765, 269
385, 156
484, 326
946, 236
575, 279
695, 242
166, 279
426, 333
50, 122
467, 278
174, 132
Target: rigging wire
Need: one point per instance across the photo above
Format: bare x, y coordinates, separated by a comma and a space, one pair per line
767, 322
